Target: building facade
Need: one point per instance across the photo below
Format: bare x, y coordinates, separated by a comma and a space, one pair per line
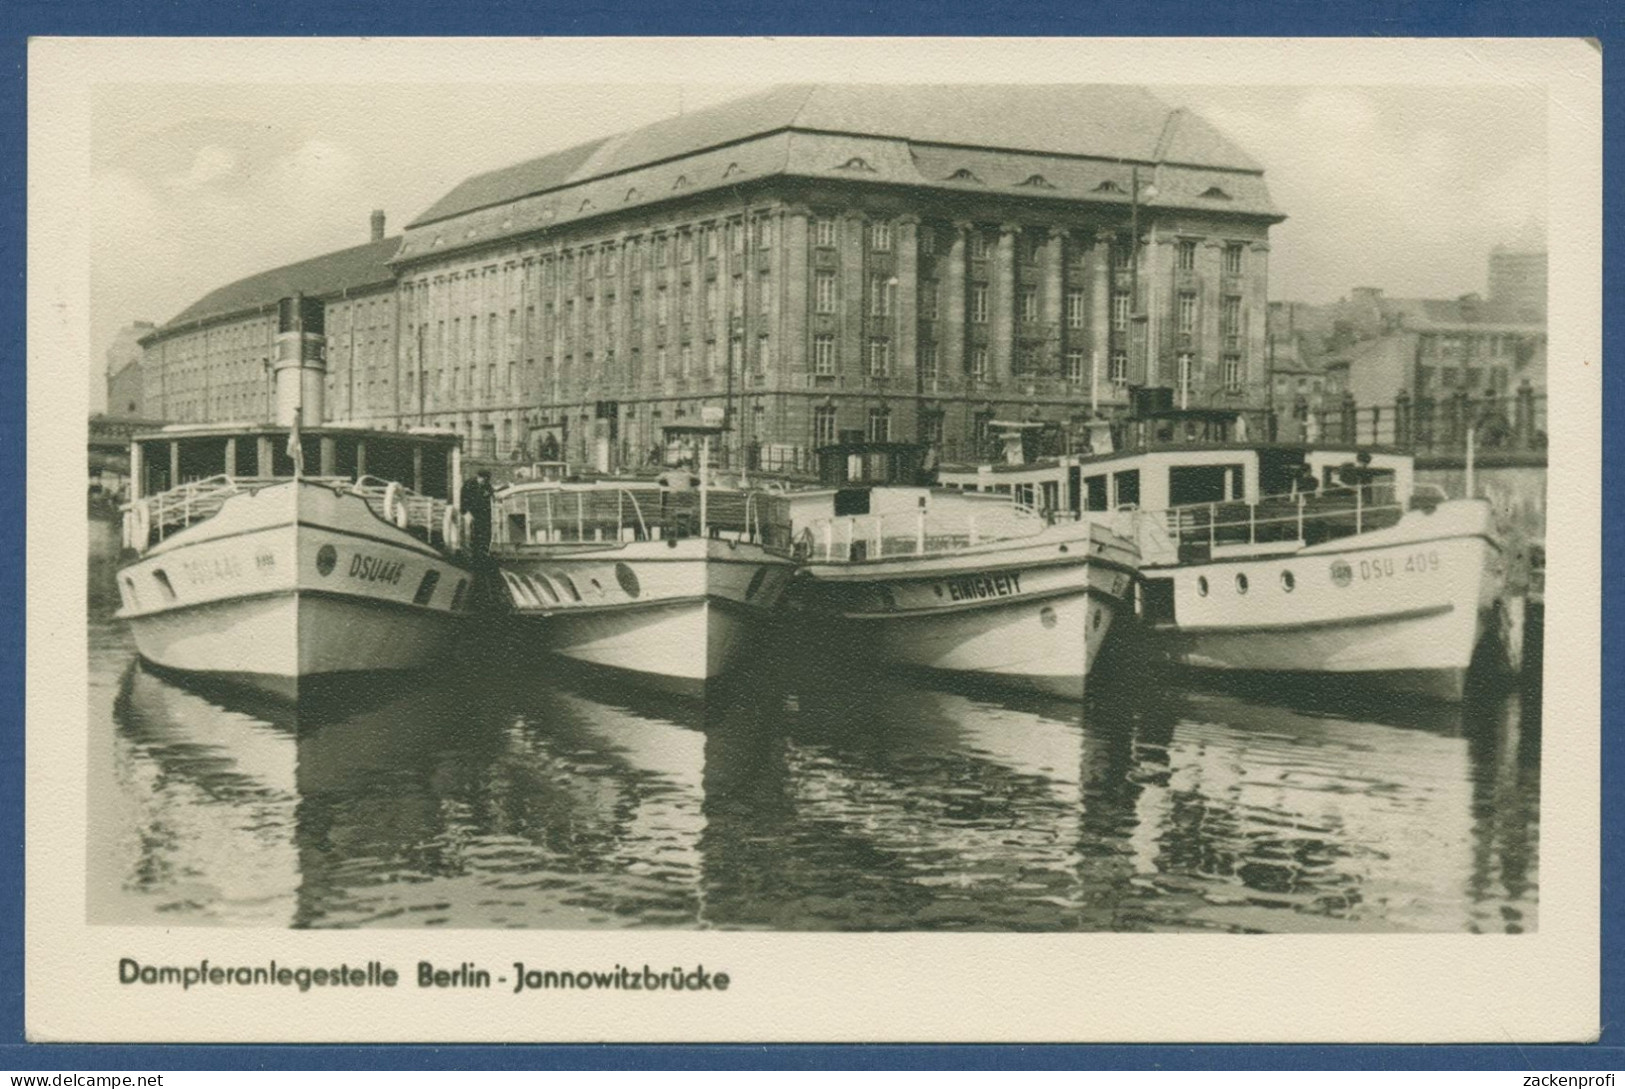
900, 262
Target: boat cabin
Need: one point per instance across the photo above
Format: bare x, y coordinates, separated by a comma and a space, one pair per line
183, 473
427, 462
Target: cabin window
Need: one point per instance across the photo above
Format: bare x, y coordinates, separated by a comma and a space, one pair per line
1241, 583
457, 594
1126, 485
1201, 585
1095, 490
162, 580
1200, 483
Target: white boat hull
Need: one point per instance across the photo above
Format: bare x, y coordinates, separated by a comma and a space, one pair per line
292, 583
1024, 615
1402, 608
680, 612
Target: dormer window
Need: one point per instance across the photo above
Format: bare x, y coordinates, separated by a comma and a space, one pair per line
733, 168
632, 194
681, 183
964, 175
1038, 181
1109, 186
1215, 193
856, 162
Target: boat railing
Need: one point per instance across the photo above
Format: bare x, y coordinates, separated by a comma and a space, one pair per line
925, 532
166, 513
423, 516
605, 513
1206, 530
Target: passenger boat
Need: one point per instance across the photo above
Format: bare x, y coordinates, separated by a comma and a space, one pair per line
956, 582
1286, 560
253, 572
666, 580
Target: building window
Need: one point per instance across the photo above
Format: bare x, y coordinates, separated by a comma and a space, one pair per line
736, 296
823, 354
1232, 258
634, 255
1187, 255
1230, 322
685, 246
1029, 304
824, 430
928, 361
978, 245
824, 232
1232, 372
880, 425
764, 296
685, 361
880, 235
662, 307
881, 292
710, 357
736, 237
978, 364
764, 352
879, 357
1186, 372
928, 242
711, 300
981, 429
1187, 315
663, 251
762, 231
1121, 250
1120, 311
710, 240
824, 293
660, 362
978, 303
1074, 365
1118, 374
928, 300
1075, 309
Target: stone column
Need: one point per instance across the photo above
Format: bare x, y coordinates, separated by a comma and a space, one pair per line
792, 354
1052, 302
1100, 315
1002, 331
854, 356
1254, 304
906, 317
953, 323
1209, 348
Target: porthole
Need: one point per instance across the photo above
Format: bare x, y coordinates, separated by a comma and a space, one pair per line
1288, 583
1241, 584
163, 584
1046, 616
326, 558
1201, 585
628, 579
1094, 619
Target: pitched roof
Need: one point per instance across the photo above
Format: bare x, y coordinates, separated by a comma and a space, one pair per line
352, 268
1091, 121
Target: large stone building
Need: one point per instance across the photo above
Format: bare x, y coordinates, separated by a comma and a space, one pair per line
213, 361
908, 262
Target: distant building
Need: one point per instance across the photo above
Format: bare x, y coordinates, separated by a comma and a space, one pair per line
212, 361
125, 396
905, 262
1518, 283
1438, 360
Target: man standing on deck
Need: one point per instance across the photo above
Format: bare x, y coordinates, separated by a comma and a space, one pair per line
476, 498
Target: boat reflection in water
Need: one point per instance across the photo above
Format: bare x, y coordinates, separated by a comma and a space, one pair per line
846, 802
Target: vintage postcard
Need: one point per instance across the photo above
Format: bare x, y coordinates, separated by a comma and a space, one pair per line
813, 540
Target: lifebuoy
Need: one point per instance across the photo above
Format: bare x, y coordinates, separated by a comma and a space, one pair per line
395, 505
451, 529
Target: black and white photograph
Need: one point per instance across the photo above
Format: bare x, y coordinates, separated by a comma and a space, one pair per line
772, 500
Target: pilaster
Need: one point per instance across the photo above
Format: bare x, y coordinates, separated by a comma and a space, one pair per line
1002, 340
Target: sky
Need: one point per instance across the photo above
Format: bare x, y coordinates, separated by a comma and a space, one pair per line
1405, 188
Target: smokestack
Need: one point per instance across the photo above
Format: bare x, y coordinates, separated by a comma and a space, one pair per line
378, 225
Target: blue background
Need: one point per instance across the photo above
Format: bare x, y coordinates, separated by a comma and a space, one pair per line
1384, 18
